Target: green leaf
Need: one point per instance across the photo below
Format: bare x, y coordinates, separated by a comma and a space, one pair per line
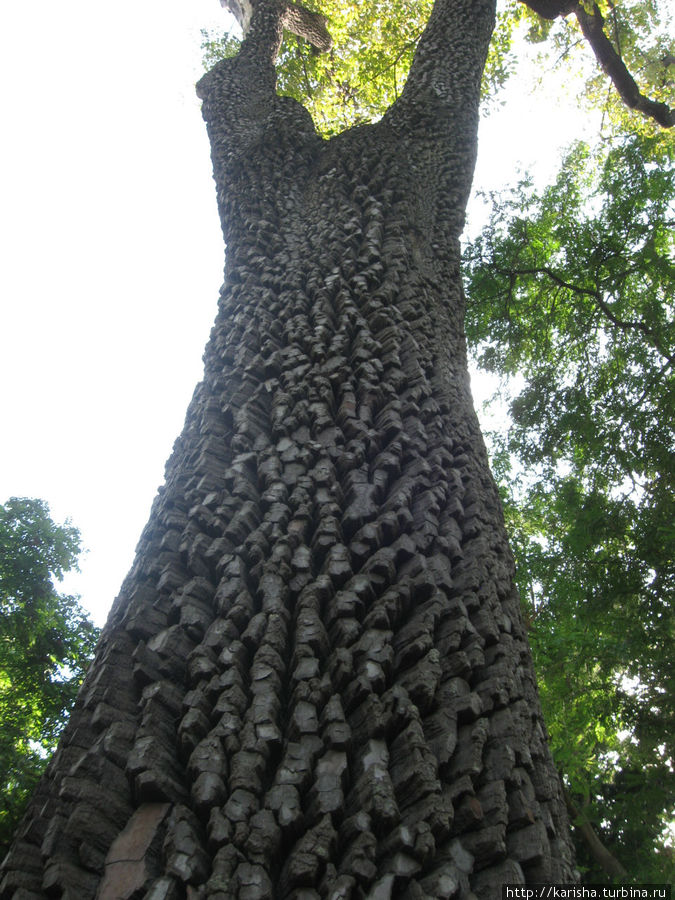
45, 641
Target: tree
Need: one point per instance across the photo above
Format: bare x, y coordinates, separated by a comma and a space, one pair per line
573, 289
45, 640
315, 680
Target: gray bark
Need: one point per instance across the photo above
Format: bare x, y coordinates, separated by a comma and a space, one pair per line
315, 681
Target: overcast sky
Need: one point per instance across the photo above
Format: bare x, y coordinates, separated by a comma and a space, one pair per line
112, 255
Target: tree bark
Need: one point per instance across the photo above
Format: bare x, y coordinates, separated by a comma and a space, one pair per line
315, 681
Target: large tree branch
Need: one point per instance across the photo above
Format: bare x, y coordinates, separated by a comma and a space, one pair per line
438, 110
309, 25
262, 23
239, 93
287, 16
551, 9
450, 55
592, 27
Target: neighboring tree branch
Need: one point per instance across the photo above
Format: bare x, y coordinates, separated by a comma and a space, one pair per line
592, 27
551, 9
309, 25
301, 21
609, 863
242, 10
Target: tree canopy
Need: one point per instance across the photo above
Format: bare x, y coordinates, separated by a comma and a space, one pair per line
570, 303
46, 639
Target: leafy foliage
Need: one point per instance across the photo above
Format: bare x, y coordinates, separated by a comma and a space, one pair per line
573, 288
45, 641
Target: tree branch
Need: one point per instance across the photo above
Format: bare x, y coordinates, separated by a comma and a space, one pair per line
600, 853
301, 21
242, 10
451, 52
309, 25
592, 27
594, 294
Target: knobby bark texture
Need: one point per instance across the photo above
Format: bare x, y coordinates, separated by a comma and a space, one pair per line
315, 682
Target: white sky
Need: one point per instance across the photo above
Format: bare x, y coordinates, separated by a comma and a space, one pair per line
111, 254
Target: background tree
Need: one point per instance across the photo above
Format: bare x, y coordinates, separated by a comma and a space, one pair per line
572, 291
46, 640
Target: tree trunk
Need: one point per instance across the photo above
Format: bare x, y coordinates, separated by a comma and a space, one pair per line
315, 681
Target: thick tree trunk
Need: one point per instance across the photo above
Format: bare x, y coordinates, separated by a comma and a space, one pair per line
315, 681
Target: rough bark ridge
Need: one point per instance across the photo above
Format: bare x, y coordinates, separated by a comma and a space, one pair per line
315, 681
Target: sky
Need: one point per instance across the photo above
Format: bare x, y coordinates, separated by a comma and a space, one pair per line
112, 255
